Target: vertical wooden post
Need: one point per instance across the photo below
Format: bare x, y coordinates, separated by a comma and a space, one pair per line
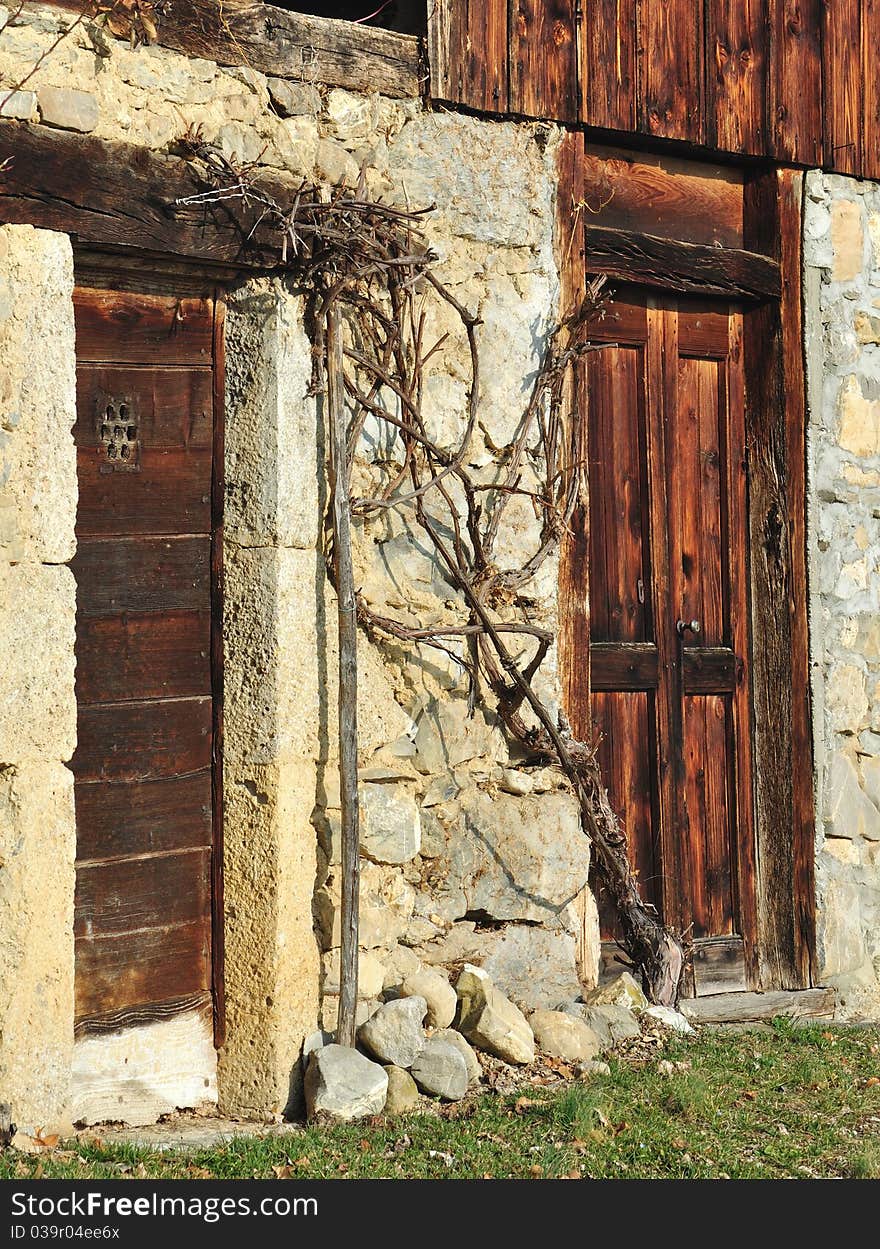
348, 776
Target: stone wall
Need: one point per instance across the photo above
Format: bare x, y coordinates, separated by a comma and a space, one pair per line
37, 705
842, 288
466, 856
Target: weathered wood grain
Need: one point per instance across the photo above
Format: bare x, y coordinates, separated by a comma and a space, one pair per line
291, 45
142, 740
844, 97
543, 59
796, 85
141, 575
664, 196
735, 75
609, 43
148, 654
147, 817
122, 196
685, 267
671, 70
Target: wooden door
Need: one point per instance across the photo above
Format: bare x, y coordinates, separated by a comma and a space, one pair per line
146, 768
669, 636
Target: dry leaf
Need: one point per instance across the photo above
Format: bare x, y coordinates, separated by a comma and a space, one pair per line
283, 1172
750, 1096
872, 1081
536, 1171
526, 1103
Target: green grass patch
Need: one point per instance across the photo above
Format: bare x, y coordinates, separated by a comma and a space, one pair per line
770, 1104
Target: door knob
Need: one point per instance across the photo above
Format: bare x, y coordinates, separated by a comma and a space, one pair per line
688, 626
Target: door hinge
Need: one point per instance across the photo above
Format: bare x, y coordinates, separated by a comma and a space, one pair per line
640, 591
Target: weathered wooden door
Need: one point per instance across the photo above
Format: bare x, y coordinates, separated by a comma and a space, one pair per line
669, 634
149, 377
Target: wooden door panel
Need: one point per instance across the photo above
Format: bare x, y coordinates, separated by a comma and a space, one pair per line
146, 751
710, 809
668, 614
618, 477
626, 758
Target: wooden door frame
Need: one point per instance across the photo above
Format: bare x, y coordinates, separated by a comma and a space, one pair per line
163, 275
783, 956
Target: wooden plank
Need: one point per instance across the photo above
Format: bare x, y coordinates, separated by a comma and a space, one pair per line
618, 492
218, 498
143, 655
719, 966
703, 330
609, 40
142, 741
706, 746
543, 59
172, 405
664, 196
141, 575
121, 195
118, 974
142, 329
795, 81
803, 892
144, 817
170, 494
624, 722
736, 68
755, 1007
126, 896
468, 53
844, 98
624, 665
690, 268
671, 70
286, 44
709, 670
871, 81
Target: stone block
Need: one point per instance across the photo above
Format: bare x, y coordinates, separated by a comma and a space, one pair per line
859, 420
849, 812
390, 827
37, 852
514, 858
535, 967
294, 99
847, 240
68, 109
20, 105
38, 488
343, 1084
841, 935
37, 701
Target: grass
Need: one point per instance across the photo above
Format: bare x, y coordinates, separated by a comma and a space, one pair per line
787, 1102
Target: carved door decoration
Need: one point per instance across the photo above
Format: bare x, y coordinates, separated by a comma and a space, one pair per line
146, 768
669, 635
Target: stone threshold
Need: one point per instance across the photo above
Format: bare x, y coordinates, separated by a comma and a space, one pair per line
746, 1007
188, 1132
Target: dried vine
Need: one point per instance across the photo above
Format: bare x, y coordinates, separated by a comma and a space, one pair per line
371, 261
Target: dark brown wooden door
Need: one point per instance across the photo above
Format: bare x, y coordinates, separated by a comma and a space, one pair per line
669, 616
145, 772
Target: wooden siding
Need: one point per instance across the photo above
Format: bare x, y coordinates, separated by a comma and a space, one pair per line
794, 80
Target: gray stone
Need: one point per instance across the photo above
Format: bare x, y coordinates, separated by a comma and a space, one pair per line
849, 810
441, 1070
399, 964
474, 1070
390, 829
620, 990
436, 990
344, 1084
403, 1093
490, 1021
669, 1018
610, 1023
534, 967
394, 1033
334, 164
330, 1011
68, 109
294, 99
515, 858
21, 105
564, 1036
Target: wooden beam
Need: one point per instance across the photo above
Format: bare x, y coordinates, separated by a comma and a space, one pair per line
289, 45
689, 268
755, 1007
122, 196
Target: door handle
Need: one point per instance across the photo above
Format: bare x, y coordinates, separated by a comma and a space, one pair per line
688, 626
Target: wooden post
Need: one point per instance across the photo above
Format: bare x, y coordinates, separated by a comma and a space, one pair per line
348, 777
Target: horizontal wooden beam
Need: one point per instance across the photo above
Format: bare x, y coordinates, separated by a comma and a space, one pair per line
121, 196
282, 44
689, 268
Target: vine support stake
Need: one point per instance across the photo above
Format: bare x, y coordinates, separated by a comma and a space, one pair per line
348, 741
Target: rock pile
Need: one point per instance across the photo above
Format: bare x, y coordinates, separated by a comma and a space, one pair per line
407, 1047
